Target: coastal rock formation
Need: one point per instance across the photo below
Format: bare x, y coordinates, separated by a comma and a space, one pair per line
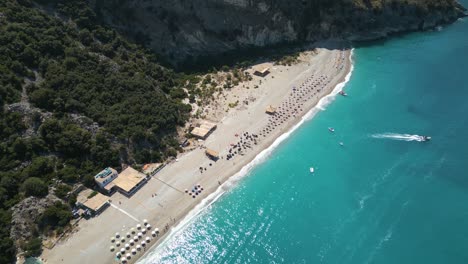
180, 30
25, 215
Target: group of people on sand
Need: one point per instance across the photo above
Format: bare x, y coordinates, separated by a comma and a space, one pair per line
293, 105
290, 108
246, 140
340, 60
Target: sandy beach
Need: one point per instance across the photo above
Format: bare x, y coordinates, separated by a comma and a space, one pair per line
242, 133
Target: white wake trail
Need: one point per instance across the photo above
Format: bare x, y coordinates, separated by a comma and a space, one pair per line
401, 137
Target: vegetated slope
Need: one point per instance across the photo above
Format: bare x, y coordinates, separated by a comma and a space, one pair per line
182, 30
75, 97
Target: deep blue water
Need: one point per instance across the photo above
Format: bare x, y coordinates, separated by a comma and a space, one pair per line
375, 200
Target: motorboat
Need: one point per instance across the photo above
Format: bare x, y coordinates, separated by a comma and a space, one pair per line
331, 129
311, 169
343, 93
341, 144
425, 138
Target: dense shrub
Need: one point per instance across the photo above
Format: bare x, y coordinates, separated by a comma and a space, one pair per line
55, 216
34, 187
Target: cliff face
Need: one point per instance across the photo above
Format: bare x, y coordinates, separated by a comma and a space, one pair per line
181, 29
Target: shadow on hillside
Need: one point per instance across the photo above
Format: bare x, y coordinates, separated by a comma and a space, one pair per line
249, 56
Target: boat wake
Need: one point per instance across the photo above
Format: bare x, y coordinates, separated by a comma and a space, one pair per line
401, 137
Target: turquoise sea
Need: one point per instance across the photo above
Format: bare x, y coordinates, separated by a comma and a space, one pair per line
383, 197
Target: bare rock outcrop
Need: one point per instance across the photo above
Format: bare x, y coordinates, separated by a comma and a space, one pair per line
25, 216
180, 30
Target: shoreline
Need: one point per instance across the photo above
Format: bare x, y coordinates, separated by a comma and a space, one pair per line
232, 181
167, 207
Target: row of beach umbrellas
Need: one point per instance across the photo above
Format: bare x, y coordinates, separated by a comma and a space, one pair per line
142, 230
122, 251
137, 233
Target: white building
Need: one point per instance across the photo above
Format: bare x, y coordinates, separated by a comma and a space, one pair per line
105, 177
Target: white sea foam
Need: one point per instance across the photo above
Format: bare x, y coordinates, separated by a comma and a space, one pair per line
232, 181
326, 100
402, 137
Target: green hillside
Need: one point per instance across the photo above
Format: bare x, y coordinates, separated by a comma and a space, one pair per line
76, 97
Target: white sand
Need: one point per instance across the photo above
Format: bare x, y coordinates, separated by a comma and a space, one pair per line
91, 242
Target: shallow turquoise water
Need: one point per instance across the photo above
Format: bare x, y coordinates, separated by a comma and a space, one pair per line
375, 200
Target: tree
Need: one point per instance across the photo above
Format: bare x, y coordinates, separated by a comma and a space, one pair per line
34, 187
58, 215
69, 174
40, 167
43, 98
7, 248
62, 191
33, 247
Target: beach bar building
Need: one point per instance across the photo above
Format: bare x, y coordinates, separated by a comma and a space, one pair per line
270, 110
129, 181
262, 71
93, 201
214, 155
104, 179
203, 130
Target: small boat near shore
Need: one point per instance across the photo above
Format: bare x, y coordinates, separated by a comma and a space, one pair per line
311, 169
342, 93
331, 129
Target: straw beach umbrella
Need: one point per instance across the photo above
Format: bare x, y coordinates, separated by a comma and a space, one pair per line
138, 226
132, 230
129, 256
131, 242
117, 255
128, 234
112, 248
138, 247
148, 239
122, 250
117, 243
112, 239
156, 230
134, 251
117, 235
145, 222
135, 238
140, 234
148, 226
127, 246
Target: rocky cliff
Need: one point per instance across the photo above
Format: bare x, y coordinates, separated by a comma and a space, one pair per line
182, 29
